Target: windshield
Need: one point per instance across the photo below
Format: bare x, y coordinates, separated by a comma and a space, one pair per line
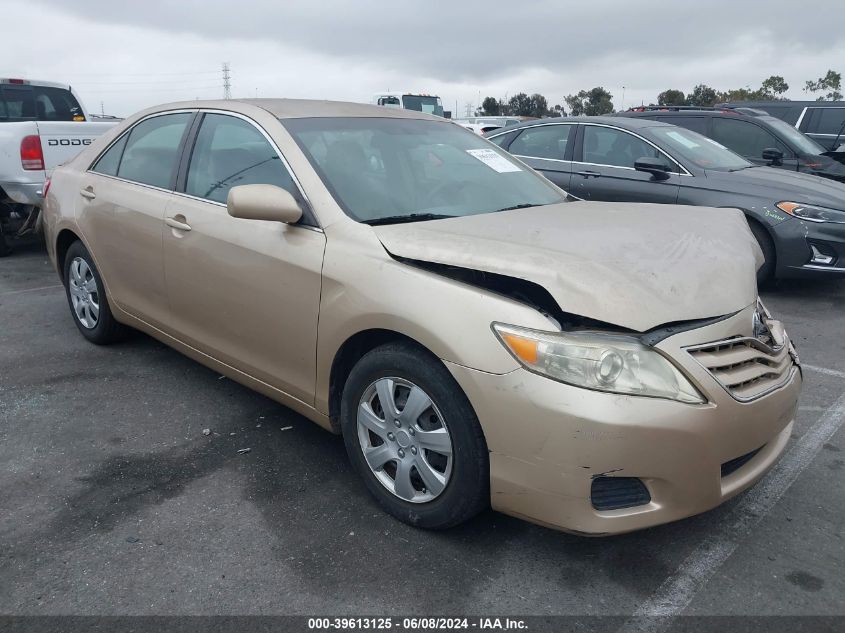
429, 105
803, 144
395, 168
698, 150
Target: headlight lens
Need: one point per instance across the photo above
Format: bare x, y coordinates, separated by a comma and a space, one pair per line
811, 212
604, 362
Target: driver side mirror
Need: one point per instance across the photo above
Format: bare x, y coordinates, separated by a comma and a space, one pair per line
263, 202
654, 166
773, 156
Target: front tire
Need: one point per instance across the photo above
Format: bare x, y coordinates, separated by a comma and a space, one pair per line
87, 299
413, 437
766, 272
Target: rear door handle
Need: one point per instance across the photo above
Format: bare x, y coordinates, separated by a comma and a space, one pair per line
88, 192
176, 224
588, 174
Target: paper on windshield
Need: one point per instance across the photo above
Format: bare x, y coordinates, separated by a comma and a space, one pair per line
493, 160
683, 140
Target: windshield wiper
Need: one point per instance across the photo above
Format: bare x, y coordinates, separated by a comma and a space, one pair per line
401, 219
524, 205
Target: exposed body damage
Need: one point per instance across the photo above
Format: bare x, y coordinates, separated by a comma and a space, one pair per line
634, 266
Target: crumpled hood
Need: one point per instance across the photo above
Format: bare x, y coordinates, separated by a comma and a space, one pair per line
636, 266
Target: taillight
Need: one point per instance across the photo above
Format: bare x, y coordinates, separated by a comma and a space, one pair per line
32, 158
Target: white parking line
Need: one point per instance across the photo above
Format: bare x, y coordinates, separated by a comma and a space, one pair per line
17, 292
824, 370
678, 590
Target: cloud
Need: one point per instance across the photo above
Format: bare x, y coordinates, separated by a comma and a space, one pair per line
349, 50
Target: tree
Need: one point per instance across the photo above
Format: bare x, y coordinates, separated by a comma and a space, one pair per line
671, 97
539, 105
702, 95
557, 111
773, 87
593, 102
741, 94
520, 105
491, 106
832, 82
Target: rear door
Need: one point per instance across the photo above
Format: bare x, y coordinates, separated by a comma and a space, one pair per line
548, 149
121, 206
748, 139
603, 168
246, 292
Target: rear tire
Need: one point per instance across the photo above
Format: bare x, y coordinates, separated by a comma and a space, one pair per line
767, 270
87, 299
440, 442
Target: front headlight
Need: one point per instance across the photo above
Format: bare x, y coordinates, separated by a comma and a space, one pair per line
605, 362
812, 212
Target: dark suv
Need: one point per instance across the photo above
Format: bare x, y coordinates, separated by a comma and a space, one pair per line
822, 121
753, 134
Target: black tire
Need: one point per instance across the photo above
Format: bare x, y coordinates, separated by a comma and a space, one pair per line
767, 270
106, 329
467, 491
5, 249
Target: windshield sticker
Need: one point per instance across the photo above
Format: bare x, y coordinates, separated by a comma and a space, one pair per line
683, 140
493, 160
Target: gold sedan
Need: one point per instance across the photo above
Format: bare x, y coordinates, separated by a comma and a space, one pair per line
476, 338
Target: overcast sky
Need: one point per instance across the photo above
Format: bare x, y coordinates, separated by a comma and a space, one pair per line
159, 51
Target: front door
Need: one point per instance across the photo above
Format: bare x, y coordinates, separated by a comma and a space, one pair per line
246, 292
604, 168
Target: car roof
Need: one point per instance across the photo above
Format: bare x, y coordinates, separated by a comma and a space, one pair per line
727, 113
618, 121
785, 103
300, 108
33, 82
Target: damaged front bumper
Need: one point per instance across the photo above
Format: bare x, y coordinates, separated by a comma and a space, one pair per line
550, 443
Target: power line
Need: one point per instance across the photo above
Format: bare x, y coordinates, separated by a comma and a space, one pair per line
227, 84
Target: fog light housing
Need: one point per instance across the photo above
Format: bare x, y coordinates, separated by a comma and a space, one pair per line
615, 493
822, 254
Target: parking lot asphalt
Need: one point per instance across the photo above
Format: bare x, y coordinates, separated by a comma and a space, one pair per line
113, 501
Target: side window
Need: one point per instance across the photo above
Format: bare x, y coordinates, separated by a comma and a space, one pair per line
229, 152
152, 150
743, 137
694, 123
828, 120
544, 141
110, 161
608, 146
502, 139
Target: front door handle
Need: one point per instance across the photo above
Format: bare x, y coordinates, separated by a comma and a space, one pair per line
588, 174
88, 192
176, 224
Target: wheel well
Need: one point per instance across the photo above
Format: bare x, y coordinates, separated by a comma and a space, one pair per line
352, 350
752, 221
63, 241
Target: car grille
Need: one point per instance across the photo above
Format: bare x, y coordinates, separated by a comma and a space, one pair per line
614, 493
735, 464
746, 367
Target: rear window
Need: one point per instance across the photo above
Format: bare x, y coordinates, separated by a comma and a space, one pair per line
38, 103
